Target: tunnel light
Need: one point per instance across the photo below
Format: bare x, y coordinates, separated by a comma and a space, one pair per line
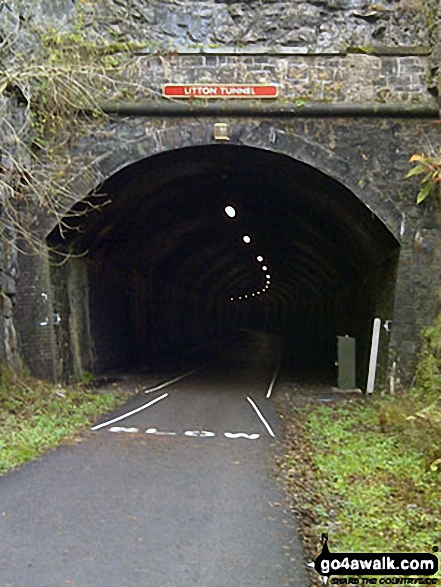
259, 258
264, 268
230, 211
246, 239
268, 276
246, 296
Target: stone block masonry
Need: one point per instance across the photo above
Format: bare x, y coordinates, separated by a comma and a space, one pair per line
345, 78
368, 157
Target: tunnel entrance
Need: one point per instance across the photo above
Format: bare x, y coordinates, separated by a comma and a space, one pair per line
199, 242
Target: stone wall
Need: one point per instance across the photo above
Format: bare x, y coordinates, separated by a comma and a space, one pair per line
315, 25
308, 25
331, 78
370, 157
34, 317
341, 50
298, 23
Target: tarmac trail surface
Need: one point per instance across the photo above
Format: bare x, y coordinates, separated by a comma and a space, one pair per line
177, 494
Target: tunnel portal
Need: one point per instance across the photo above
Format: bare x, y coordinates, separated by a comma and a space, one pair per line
159, 266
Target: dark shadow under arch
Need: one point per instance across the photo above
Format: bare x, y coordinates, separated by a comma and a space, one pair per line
268, 136
163, 261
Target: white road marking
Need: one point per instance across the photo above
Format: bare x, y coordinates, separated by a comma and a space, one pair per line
200, 433
267, 426
130, 413
241, 435
273, 380
194, 433
167, 383
157, 432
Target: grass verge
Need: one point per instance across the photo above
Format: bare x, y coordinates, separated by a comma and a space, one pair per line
35, 416
367, 473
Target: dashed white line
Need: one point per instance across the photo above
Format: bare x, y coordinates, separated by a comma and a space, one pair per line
167, 383
256, 409
159, 433
122, 429
130, 413
241, 435
199, 433
273, 380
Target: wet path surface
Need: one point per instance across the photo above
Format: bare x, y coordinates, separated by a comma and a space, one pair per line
180, 493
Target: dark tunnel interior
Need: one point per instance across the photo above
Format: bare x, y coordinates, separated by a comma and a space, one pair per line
162, 268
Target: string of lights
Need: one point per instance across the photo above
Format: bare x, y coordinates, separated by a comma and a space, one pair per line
231, 212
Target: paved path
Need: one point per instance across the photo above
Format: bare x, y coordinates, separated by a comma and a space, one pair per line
179, 494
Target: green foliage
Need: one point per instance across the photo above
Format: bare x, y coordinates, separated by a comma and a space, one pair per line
362, 49
382, 495
430, 167
422, 408
374, 466
87, 379
75, 47
428, 371
35, 416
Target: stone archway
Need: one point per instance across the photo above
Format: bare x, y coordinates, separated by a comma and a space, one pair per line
273, 143
266, 136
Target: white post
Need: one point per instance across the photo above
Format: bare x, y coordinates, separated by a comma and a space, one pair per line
374, 355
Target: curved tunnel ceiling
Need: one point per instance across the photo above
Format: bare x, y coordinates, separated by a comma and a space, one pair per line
166, 216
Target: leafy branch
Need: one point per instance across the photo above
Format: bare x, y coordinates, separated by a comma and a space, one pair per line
429, 166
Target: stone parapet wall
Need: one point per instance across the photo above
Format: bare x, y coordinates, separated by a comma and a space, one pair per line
342, 78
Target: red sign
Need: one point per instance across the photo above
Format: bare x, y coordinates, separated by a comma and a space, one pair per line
220, 91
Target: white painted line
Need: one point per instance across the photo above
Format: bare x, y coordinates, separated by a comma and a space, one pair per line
200, 433
267, 426
241, 435
273, 380
130, 413
157, 432
121, 429
167, 383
